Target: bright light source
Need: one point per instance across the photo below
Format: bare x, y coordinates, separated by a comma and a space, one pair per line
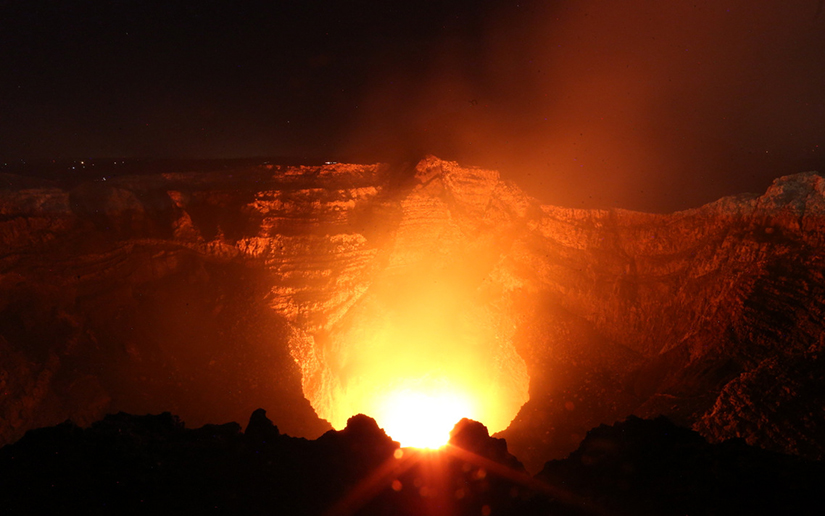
422, 420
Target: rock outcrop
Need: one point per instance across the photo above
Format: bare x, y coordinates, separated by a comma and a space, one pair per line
211, 293
153, 464
654, 467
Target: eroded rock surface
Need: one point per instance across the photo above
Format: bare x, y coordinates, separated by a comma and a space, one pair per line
210, 293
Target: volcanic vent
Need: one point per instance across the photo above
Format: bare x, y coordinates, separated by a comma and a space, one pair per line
411, 319
440, 288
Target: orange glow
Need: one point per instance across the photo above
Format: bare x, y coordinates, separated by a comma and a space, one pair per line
422, 418
431, 340
418, 356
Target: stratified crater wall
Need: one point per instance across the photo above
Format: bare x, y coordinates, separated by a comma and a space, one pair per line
210, 294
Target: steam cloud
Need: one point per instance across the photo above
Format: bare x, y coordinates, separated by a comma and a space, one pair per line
647, 105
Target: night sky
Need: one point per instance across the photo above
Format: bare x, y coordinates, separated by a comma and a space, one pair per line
651, 104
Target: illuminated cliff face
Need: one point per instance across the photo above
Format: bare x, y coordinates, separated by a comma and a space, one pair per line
426, 339
413, 295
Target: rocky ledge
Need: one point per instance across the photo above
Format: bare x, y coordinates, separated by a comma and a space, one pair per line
154, 465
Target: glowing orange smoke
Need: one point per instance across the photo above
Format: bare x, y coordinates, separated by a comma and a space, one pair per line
418, 357
429, 340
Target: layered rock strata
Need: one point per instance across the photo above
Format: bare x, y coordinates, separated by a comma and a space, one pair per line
202, 289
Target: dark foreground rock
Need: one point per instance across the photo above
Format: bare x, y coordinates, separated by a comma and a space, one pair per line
654, 467
152, 464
